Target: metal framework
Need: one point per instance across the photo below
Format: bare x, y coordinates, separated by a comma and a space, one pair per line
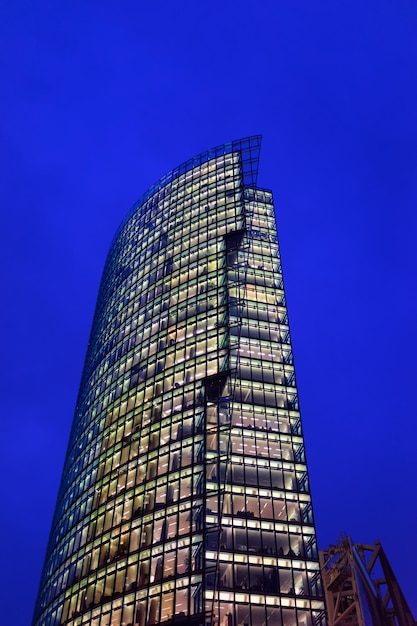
361, 588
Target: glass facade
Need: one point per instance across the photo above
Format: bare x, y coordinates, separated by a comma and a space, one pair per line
185, 495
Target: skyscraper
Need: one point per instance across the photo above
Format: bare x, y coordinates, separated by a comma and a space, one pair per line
185, 496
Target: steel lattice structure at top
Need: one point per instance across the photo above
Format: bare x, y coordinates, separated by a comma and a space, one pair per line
185, 496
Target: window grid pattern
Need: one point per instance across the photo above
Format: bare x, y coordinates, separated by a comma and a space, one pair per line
184, 496
261, 555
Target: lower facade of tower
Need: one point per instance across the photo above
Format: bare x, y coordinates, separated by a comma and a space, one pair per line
185, 496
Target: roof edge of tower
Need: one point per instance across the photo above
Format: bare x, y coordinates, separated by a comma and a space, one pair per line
249, 147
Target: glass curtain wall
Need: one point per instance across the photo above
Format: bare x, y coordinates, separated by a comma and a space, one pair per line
185, 496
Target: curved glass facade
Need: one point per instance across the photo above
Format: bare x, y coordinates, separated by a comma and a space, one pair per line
185, 496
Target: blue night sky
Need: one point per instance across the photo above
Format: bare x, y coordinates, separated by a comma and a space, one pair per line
100, 99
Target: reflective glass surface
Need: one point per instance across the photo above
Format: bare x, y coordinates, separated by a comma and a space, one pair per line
185, 495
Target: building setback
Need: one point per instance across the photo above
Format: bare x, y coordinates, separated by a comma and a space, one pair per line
185, 495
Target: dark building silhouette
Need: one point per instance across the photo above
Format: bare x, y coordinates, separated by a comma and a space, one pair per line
185, 495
